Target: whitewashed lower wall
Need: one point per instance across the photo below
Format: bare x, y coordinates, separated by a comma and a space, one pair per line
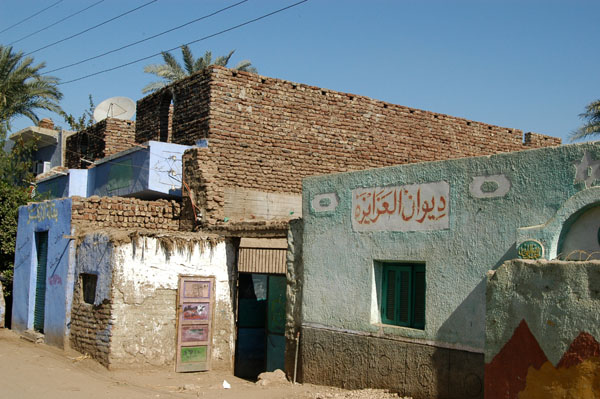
145, 281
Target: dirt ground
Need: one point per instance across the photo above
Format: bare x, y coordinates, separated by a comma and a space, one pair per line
29, 370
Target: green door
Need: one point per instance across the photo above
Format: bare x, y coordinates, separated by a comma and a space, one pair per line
276, 323
41, 244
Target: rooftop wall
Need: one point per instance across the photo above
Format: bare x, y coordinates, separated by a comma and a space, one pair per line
267, 134
105, 138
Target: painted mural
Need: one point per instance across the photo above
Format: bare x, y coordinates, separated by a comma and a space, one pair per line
522, 370
553, 352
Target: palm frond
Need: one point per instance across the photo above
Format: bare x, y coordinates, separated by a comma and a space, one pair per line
23, 90
246, 65
592, 125
224, 60
188, 59
172, 71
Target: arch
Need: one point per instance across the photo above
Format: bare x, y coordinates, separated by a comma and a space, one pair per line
551, 232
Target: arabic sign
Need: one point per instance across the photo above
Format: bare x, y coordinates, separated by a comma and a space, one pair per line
530, 249
43, 211
413, 207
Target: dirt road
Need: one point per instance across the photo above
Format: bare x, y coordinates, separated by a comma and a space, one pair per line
29, 370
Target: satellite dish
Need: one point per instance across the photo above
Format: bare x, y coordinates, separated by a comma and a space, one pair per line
115, 107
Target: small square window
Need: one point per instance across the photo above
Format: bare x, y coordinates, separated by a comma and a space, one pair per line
403, 295
88, 285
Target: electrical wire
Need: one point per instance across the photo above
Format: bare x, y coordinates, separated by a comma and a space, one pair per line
93, 27
31, 16
55, 23
146, 39
186, 44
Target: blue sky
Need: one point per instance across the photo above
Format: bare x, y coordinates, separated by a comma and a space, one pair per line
528, 64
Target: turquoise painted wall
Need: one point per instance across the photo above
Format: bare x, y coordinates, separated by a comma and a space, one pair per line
494, 203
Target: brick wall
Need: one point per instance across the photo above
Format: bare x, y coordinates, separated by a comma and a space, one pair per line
536, 140
118, 212
190, 111
267, 134
105, 138
90, 327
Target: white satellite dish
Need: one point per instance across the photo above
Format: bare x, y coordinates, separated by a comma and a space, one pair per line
115, 107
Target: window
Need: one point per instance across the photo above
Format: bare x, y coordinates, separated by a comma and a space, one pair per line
403, 295
88, 285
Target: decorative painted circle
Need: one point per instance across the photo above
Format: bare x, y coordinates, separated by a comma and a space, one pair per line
530, 249
489, 186
324, 202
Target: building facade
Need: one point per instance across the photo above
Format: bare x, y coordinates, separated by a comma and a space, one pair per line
394, 264
253, 139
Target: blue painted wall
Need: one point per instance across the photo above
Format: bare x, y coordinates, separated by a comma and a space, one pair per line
62, 186
147, 173
166, 167
95, 256
55, 218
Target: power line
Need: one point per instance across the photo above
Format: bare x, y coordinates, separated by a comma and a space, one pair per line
55, 23
186, 44
31, 16
146, 39
93, 27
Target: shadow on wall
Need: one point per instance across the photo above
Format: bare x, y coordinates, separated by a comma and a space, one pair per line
459, 373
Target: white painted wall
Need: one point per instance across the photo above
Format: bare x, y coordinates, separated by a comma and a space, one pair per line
144, 300
582, 241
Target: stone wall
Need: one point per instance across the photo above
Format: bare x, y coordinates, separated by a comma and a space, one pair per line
100, 140
267, 134
542, 330
118, 212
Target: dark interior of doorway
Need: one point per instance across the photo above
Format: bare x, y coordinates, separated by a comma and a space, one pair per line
260, 344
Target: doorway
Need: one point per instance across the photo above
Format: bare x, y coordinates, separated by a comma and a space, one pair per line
260, 344
41, 246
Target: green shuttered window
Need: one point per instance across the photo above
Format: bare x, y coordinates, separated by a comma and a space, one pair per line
403, 295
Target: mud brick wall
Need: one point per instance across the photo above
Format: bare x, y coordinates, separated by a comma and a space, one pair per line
118, 212
267, 134
105, 138
182, 107
90, 327
536, 140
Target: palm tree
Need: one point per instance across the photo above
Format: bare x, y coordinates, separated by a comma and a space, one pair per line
23, 89
172, 71
592, 125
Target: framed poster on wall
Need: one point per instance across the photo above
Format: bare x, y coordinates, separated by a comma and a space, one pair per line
195, 304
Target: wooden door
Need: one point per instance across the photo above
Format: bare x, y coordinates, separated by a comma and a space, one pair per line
195, 308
